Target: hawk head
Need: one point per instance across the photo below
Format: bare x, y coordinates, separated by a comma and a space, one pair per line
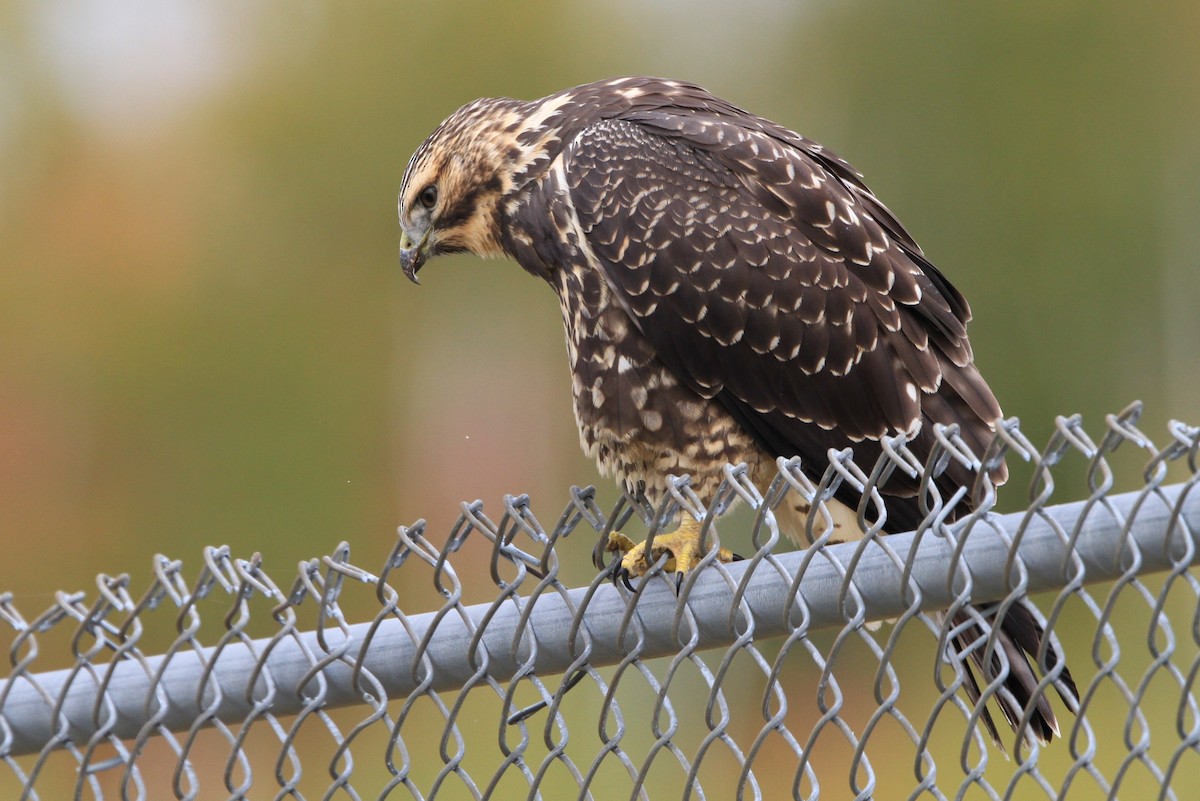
451, 197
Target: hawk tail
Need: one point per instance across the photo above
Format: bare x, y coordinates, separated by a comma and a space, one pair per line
1019, 636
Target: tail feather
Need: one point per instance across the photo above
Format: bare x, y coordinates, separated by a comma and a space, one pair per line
1019, 637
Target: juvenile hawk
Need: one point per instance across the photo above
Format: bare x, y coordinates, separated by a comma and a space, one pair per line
731, 291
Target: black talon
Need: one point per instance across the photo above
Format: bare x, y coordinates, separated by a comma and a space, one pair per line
621, 576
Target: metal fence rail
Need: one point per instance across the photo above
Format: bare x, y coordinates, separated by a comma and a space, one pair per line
764, 678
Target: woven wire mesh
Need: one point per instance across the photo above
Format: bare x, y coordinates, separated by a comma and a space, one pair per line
761, 678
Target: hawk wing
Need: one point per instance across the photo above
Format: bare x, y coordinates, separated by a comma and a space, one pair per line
769, 278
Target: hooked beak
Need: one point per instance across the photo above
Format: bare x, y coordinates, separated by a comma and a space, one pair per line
412, 254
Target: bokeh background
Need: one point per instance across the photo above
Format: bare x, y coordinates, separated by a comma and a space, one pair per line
205, 337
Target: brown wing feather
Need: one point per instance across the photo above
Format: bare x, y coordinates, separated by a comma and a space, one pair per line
765, 279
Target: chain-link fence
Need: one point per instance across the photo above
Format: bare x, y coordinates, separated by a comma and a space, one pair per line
762, 678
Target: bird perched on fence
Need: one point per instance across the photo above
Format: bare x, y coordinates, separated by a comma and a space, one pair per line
731, 291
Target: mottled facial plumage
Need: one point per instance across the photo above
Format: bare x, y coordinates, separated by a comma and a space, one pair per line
450, 196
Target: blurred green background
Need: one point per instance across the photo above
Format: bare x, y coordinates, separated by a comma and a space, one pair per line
205, 337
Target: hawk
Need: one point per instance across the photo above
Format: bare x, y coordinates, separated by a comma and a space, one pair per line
731, 292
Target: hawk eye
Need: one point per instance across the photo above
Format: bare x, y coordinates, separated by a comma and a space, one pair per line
428, 196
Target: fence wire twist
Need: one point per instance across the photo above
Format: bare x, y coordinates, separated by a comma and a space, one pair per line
763, 678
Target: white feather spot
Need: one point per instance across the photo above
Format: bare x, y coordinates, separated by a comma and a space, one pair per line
597, 393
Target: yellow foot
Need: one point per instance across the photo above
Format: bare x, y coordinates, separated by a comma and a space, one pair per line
682, 547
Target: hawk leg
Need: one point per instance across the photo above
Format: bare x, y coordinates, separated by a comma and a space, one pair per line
682, 547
